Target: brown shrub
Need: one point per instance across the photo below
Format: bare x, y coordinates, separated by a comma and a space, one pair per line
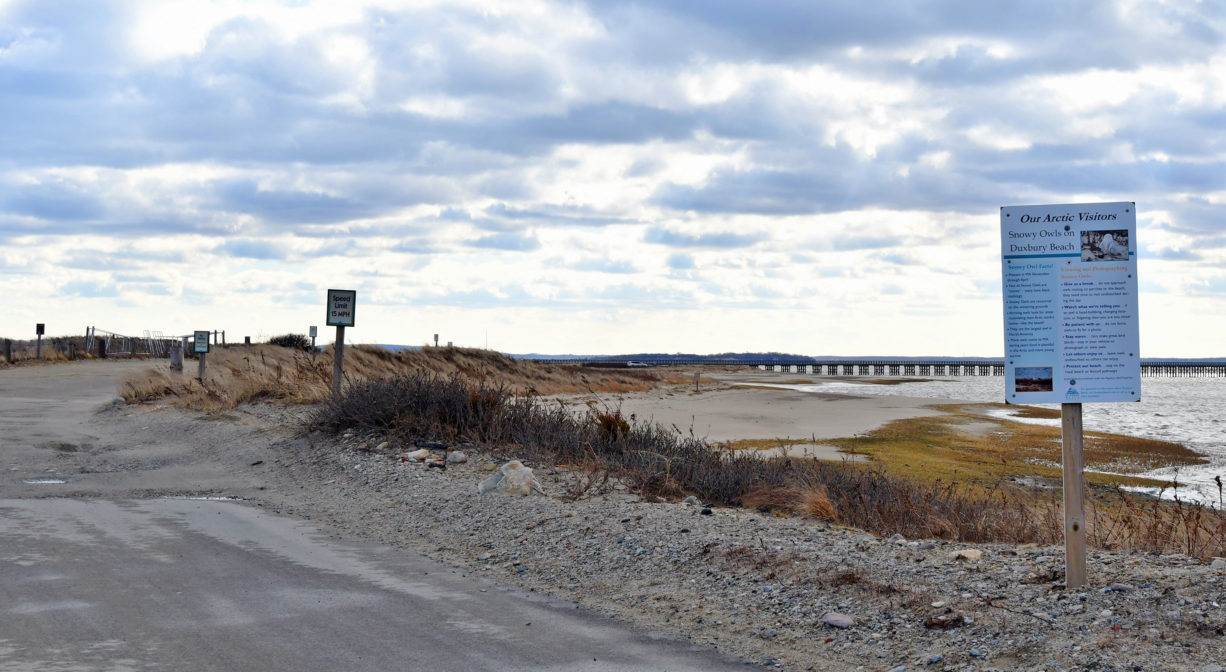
771, 498
814, 503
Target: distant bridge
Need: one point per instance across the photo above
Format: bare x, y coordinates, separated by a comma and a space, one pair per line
886, 367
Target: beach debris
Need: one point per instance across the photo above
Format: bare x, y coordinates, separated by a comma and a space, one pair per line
512, 478
836, 620
456, 457
966, 554
417, 455
944, 621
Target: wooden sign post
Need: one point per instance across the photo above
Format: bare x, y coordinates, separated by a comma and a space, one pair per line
341, 304
1074, 496
200, 345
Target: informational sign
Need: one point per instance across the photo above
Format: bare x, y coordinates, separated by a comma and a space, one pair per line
39, 329
341, 303
1070, 293
200, 342
314, 331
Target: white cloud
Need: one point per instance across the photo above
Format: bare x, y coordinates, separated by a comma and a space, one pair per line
584, 177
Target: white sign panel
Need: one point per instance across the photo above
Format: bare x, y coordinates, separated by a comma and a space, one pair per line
200, 344
341, 303
1070, 292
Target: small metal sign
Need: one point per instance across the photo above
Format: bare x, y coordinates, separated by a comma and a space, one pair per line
201, 342
341, 303
314, 332
39, 329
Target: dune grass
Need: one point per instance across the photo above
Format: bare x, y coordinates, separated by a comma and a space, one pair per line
237, 375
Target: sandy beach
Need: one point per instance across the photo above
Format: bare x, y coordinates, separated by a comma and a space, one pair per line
741, 405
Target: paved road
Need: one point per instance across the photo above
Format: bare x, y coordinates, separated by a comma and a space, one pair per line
171, 583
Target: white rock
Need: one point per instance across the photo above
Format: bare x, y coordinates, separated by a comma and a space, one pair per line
417, 454
1218, 563
837, 620
967, 554
456, 457
512, 478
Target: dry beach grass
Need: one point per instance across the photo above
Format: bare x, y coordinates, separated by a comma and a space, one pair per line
958, 475
266, 372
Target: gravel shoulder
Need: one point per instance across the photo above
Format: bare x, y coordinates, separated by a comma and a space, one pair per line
765, 589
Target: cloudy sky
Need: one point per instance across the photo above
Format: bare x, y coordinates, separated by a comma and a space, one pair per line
822, 178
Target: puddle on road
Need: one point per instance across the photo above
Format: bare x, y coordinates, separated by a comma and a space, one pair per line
44, 481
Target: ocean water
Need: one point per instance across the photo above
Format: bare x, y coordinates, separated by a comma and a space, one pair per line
1182, 410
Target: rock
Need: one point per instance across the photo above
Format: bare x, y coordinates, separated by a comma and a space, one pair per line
898, 540
432, 445
512, 478
900, 668
966, 554
926, 545
706, 511
417, 454
935, 659
456, 457
386, 445
1218, 563
837, 620
691, 501
1119, 588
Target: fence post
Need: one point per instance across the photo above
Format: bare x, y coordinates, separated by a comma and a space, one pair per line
176, 356
8, 351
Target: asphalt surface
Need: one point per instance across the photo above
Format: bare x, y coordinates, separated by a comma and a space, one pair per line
93, 578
